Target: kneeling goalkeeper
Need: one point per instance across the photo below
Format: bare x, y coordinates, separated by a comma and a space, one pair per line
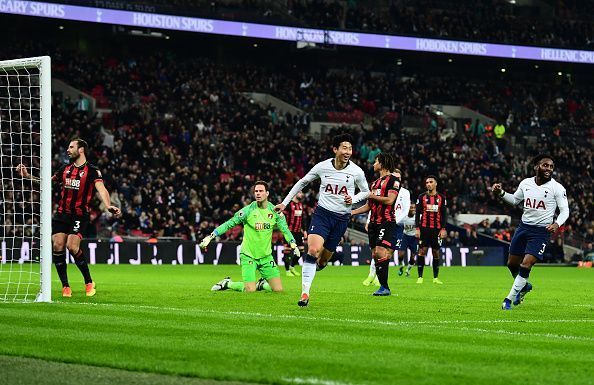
258, 220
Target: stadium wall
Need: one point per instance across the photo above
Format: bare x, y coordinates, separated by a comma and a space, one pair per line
188, 253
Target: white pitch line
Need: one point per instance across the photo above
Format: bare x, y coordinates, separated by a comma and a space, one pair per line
514, 333
336, 320
314, 381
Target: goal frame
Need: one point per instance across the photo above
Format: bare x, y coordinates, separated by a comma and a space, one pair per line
45, 218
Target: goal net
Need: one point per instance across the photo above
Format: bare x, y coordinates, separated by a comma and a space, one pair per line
25, 203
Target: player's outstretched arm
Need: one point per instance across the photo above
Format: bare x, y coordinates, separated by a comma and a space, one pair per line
361, 210
312, 175
237, 219
104, 195
511, 199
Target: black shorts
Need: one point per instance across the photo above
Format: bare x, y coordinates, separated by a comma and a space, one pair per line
70, 224
298, 235
429, 238
381, 234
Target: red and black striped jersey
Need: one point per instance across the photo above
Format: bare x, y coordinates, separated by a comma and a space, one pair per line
78, 186
294, 214
431, 211
381, 213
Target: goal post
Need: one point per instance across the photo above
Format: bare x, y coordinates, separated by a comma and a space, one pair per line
25, 203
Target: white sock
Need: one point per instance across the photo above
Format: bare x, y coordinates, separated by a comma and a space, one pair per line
518, 285
372, 268
308, 272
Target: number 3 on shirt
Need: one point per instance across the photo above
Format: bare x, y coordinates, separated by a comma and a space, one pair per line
541, 251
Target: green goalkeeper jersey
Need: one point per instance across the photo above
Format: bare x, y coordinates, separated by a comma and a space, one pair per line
258, 225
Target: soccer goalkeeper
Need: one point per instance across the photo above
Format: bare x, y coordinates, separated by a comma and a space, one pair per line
259, 220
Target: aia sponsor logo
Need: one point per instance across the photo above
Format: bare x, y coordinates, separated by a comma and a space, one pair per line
531, 203
336, 189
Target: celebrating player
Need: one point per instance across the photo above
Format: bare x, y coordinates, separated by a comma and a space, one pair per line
338, 177
69, 225
384, 192
430, 221
541, 195
294, 215
258, 220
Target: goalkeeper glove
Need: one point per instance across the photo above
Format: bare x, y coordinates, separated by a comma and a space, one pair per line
207, 240
295, 249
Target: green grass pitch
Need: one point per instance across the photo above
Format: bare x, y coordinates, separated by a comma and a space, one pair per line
163, 325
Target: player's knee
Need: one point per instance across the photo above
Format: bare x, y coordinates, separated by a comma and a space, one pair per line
59, 247
249, 288
314, 251
73, 249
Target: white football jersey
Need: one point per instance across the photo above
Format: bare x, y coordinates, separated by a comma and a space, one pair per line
402, 205
409, 225
334, 185
540, 202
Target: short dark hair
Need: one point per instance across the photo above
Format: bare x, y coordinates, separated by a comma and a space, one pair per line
387, 161
338, 139
81, 143
397, 171
540, 157
261, 183
432, 176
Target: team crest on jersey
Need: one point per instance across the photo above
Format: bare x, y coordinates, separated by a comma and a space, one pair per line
82, 173
270, 216
241, 213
